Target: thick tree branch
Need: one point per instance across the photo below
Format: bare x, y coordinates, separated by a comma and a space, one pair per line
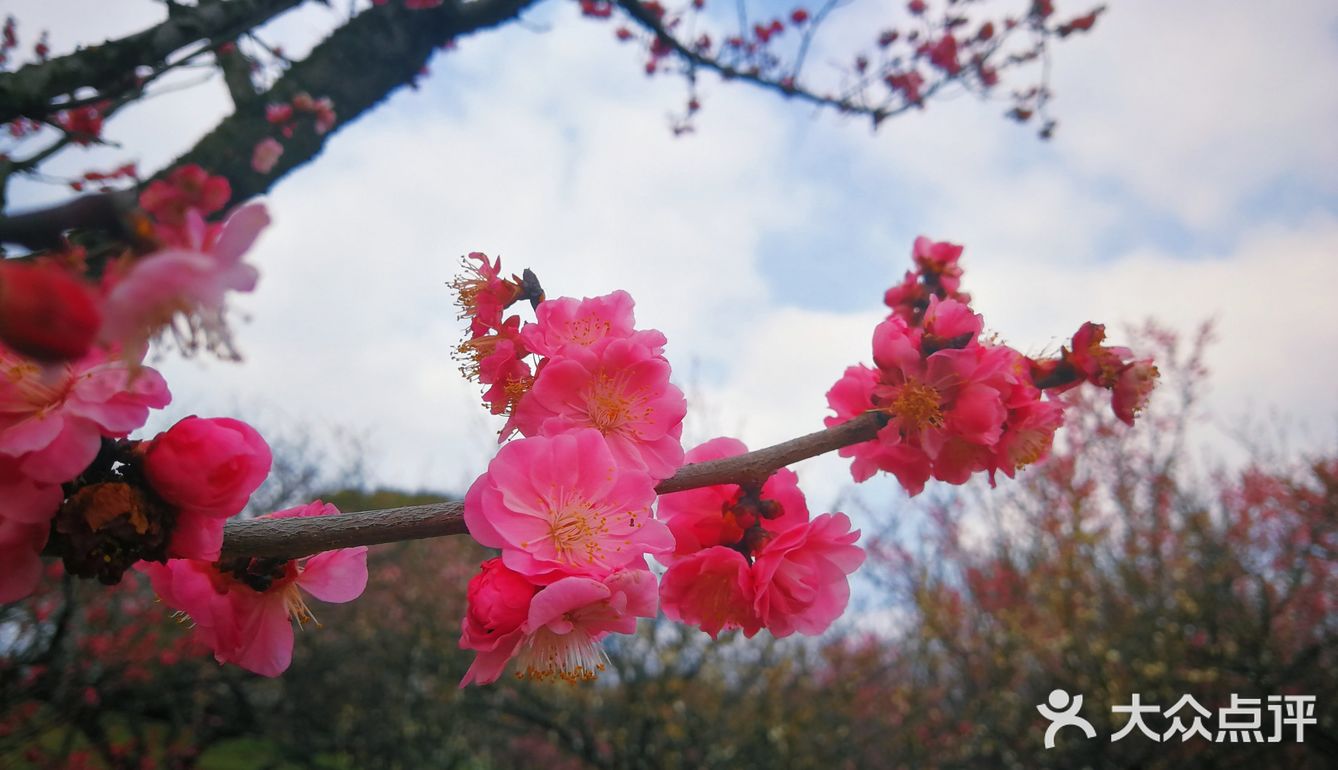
292, 538
110, 67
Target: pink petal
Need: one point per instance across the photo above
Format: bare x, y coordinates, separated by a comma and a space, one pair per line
336, 576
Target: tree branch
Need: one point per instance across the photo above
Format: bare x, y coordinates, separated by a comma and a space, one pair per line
357, 66
293, 538
30, 91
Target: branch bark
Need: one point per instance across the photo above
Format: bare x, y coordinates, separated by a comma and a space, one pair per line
30, 91
357, 66
293, 538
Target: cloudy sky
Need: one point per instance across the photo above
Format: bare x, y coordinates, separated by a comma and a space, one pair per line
1194, 176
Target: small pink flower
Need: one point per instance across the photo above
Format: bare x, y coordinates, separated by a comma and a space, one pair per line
567, 324
53, 418
720, 514
711, 589
563, 505
243, 609
800, 581
207, 465
184, 288
498, 603
623, 391
266, 154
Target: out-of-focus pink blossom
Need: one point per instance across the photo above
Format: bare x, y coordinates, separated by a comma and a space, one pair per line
800, 576
184, 288
243, 609
46, 312
1133, 388
266, 153
564, 506
53, 418
185, 189
20, 565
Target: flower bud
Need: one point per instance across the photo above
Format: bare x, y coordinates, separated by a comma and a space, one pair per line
207, 466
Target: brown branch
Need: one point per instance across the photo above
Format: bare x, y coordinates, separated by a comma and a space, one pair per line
292, 538
357, 67
42, 229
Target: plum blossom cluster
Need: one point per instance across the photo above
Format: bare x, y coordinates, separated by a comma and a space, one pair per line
952, 403
748, 557
173, 286
285, 116
74, 386
570, 504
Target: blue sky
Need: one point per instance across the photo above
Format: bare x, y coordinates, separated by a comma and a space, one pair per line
1194, 175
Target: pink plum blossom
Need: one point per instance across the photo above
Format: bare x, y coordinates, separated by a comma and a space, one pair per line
713, 590
243, 608
566, 323
623, 391
800, 576
184, 287
53, 418
564, 505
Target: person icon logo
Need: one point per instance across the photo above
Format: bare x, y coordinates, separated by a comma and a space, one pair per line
1062, 711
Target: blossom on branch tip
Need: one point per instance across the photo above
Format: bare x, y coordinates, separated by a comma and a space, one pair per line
243, 608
